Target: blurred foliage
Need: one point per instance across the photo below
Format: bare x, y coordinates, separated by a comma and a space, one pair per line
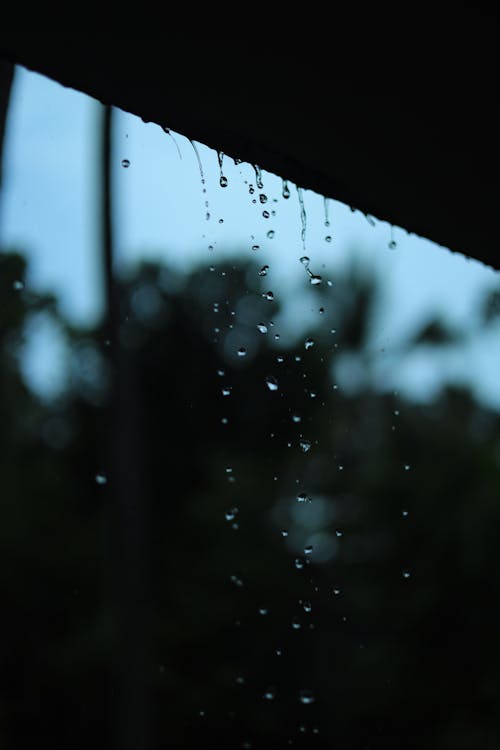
391, 620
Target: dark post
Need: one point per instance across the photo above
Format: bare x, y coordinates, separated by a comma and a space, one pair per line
128, 578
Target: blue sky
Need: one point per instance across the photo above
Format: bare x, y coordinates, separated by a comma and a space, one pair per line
49, 211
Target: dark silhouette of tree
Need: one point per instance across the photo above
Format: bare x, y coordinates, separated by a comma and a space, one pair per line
381, 636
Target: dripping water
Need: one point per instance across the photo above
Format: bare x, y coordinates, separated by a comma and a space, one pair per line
325, 204
258, 177
168, 132
303, 217
286, 189
222, 177
202, 175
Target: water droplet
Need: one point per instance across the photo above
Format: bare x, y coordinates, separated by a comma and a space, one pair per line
306, 697
392, 245
125, 163
299, 563
305, 261
242, 352
236, 580
280, 359
263, 271
321, 310
305, 446
296, 419
272, 383
309, 343
263, 611
370, 220
226, 391
269, 694
406, 574
251, 189
308, 550
221, 373
255, 248
258, 177
404, 513
407, 467
279, 652
223, 181
336, 592
268, 295
328, 238
229, 469
240, 680
266, 214
307, 607
303, 217
101, 479
231, 514
339, 533
302, 498
284, 533
296, 624
18, 286
262, 328
270, 234
263, 198
315, 279
225, 420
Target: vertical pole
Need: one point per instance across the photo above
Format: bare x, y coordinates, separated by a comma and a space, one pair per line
129, 589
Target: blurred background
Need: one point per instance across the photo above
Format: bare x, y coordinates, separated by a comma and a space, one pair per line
249, 488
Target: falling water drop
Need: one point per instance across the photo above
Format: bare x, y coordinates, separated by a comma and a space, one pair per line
309, 343
268, 295
325, 206
306, 697
305, 446
270, 234
255, 248
305, 261
258, 177
242, 352
262, 328
18, 286
284, 533
315, 279
308, 550
263, 271
272, 383
286, 190
303, 217
101, 479
302, 497
223, 181
307, 606
269, 694
125, 163
263, 198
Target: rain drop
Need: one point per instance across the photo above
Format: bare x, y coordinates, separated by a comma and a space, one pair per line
266, 214
231, 514
255, 248
296, 624
268, 295
284, 533
262, 328
296, 418
101, 479
263, 271
286, 190
125, 163
299, 563
270, 234
272, 383
226, 391
309, 343
315, 279
406, 574
306, 697
242, 352
307, 606
336, 592
328, 238
305, 446
223, 181
407, 467
18, 286
263, 198
302, 498
404, 513
308, 549
263, 611
305, 261
270, 694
